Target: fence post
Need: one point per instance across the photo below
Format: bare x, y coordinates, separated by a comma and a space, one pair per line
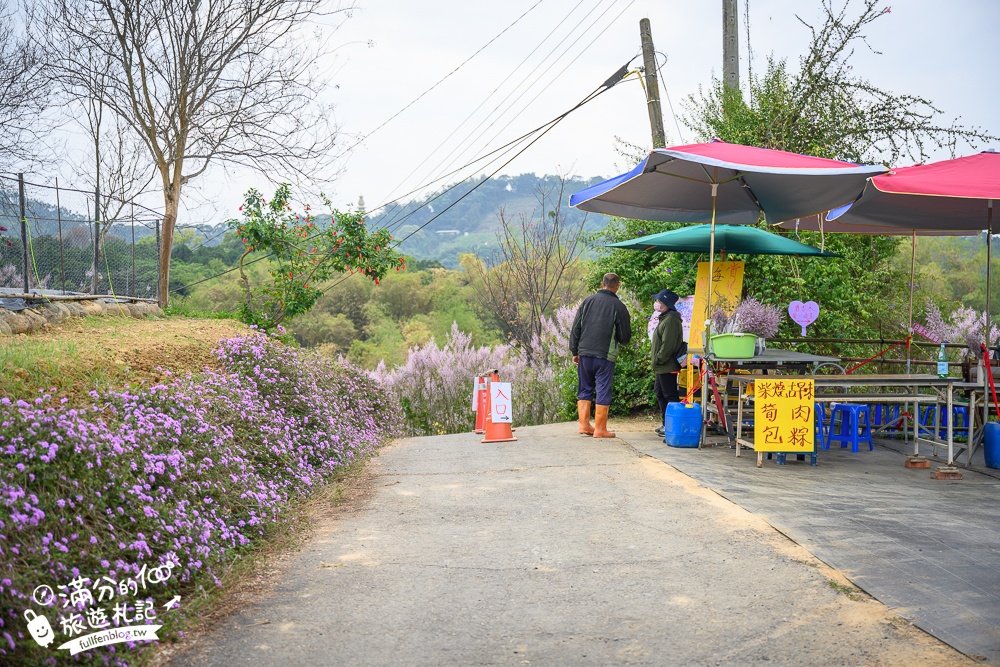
62, 258
157, 260
24, 229
97, 240
135, 288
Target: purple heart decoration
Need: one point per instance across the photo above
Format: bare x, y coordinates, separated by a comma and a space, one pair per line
803, 314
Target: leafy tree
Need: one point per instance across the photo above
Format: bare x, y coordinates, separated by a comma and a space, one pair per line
303, 255
530, 273
200, 82
824, 108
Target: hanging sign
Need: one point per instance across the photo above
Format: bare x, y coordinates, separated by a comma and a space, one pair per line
784, 414
500, 404
926, 333
727, 288
803, 314
685, 306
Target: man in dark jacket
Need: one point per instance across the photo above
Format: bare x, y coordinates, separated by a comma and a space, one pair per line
667, 344
601, 325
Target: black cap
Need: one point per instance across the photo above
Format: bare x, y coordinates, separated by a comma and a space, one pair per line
667, 298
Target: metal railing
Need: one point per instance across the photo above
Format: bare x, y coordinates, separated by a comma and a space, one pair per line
56, 240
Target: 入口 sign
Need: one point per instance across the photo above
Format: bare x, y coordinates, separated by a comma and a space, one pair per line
501, 405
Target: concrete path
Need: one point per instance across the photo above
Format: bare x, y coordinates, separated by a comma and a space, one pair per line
928, 549
554, 550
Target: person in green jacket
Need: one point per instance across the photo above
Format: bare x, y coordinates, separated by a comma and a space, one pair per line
667, 345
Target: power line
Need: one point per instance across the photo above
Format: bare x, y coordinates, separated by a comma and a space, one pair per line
526, 89
666, 92
395, 222
616, 78
440, 81
488, 97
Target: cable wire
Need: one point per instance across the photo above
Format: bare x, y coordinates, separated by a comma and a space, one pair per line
469, 137
440, 81
616, 78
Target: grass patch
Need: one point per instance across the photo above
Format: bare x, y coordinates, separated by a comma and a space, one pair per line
81, 354
851, 592
29, 366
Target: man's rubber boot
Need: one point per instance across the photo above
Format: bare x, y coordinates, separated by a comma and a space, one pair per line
601, 422
583, 409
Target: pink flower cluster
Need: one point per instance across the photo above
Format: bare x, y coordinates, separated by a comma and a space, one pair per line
434, 387
194, 471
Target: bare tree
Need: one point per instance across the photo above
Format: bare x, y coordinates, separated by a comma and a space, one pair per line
202, 81
118, 167
24, 89
531, 272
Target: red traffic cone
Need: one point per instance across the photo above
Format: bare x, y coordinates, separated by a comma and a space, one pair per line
499, 431
480, 406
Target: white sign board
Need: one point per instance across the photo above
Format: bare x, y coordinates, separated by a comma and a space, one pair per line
478, 385
685, 306
500, 403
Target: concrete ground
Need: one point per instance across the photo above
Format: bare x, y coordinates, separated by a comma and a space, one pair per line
562, 550
928, 549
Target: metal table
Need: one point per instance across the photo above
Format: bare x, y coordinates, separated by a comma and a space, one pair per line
770, 358
979, 412
888, 389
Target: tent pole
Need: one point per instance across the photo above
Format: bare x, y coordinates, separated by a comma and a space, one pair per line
913, 278
708, 322
988, 360
711, 254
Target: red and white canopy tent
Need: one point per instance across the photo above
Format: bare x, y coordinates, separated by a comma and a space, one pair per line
947, 198
718, 182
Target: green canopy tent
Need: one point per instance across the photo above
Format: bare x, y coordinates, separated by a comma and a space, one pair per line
738, 239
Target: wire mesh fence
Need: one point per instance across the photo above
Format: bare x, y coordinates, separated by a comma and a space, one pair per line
65, 240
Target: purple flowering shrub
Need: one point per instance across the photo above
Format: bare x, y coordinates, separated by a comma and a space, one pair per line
434, 387
965, 325
194, 472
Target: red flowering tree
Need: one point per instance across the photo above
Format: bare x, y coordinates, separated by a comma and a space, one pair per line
303, 255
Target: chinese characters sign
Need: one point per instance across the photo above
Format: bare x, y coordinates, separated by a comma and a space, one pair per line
803, 314
727, 288
500, 403
102, 610
784, 415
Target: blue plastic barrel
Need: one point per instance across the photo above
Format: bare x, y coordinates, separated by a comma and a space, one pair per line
991, 445
682, 425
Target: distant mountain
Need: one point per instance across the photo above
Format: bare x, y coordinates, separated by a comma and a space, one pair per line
471, 225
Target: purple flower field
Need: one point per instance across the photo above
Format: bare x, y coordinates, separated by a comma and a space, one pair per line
190, 473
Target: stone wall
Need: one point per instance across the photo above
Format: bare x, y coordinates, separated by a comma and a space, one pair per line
31, 319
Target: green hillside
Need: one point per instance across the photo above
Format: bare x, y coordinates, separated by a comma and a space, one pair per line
470, 226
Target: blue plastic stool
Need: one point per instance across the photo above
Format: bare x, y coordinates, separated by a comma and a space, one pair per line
961, 424
960, 414
821, 428
886, 414
925, 419
782, 457
850, 425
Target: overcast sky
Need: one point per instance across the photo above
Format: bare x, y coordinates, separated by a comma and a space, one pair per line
393, 51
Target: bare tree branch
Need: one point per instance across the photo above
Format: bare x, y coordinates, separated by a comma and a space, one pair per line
202, 81
24, 88
526, 278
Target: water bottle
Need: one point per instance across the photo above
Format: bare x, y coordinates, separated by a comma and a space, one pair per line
942, 363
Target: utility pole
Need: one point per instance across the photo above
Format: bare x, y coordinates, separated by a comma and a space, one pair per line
652, 85
730, 45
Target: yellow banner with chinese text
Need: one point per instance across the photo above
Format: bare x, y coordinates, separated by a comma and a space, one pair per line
784, 414
726, 291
